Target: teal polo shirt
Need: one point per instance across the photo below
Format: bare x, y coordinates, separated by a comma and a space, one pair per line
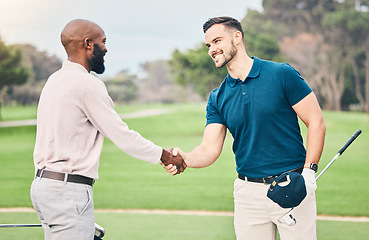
258, 113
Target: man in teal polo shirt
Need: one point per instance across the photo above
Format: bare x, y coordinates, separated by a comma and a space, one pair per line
260, 102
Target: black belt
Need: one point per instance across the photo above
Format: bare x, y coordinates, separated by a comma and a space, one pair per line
61, 177
269, 180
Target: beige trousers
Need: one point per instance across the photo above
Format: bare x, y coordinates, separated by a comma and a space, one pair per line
65, 209
256, 216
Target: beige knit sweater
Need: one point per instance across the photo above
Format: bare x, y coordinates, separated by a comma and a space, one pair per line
74, 114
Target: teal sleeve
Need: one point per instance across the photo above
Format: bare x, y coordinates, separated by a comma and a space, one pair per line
296, 87
212, 111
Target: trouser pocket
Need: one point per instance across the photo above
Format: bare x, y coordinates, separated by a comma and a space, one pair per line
83, 199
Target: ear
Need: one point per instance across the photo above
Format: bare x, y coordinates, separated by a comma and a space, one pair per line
87, 43
237, 37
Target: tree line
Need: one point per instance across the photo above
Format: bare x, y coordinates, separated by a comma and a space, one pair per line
24, 70
327, 41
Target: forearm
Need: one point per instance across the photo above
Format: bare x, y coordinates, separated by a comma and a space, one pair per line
314, 148
310, 113
210, 148
200, 157
100, 112
315, 141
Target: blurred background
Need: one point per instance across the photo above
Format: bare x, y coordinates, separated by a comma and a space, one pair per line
156, 49
157, 60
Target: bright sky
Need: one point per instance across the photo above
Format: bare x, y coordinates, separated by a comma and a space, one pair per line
137, 30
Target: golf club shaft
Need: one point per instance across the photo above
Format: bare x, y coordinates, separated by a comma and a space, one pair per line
326, 167
20, 225
340, 152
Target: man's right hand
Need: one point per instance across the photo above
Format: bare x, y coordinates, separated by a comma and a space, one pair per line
167, 158
171, 169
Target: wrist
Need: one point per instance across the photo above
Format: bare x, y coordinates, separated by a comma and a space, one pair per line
312, 166
165, 156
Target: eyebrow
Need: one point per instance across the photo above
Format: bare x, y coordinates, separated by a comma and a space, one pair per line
216, 38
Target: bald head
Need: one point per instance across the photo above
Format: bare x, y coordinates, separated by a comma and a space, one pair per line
84, 42
76, 32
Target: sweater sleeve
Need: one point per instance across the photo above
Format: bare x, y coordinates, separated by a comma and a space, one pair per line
99, 109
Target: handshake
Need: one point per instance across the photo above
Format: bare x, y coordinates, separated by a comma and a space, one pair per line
173, 162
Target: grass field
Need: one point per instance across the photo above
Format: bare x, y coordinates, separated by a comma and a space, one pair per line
129, 183
128, 226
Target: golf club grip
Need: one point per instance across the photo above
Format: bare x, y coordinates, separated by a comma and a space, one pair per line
353, 137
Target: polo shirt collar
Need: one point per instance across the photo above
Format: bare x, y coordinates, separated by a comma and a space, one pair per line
232, 81
254, 72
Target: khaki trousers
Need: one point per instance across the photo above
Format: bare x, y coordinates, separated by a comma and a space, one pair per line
65, 209
256, 216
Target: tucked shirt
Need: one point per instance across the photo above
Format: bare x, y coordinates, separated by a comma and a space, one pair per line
258, 113
74, 114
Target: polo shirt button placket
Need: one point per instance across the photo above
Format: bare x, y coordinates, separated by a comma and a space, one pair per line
244, 95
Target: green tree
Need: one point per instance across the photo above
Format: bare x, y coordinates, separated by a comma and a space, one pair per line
337, 33
11, 71
348, 32
195, 67
122, 87
261, 36
296, 16
41, 65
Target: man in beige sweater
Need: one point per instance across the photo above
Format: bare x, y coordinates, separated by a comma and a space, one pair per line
74, 115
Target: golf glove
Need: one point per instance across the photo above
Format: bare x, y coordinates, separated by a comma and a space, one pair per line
310, 182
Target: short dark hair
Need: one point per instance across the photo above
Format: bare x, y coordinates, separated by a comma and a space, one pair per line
228, 22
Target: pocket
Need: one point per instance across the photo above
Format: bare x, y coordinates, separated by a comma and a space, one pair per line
83, 199
238, 187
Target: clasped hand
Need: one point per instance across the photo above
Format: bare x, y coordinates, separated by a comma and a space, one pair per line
173, 162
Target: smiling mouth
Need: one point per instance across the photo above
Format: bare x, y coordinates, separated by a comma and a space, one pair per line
216, 54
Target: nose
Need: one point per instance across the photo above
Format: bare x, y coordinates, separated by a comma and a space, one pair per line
210, 51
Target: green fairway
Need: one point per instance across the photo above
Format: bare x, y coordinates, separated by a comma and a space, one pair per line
9, 113
128, 183
128, 226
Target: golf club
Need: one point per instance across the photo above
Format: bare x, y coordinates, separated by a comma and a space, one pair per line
288, 218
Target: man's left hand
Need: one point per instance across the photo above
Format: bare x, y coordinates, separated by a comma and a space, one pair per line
310, 182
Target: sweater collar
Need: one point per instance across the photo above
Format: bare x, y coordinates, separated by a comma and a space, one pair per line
69, 64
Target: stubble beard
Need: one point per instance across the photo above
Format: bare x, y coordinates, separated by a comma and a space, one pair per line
229, 57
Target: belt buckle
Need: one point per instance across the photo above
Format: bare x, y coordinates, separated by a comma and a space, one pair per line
268, 178
42, 172
264, 182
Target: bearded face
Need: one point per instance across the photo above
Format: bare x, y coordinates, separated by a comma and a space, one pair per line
223, 56
220, 43
96, 62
